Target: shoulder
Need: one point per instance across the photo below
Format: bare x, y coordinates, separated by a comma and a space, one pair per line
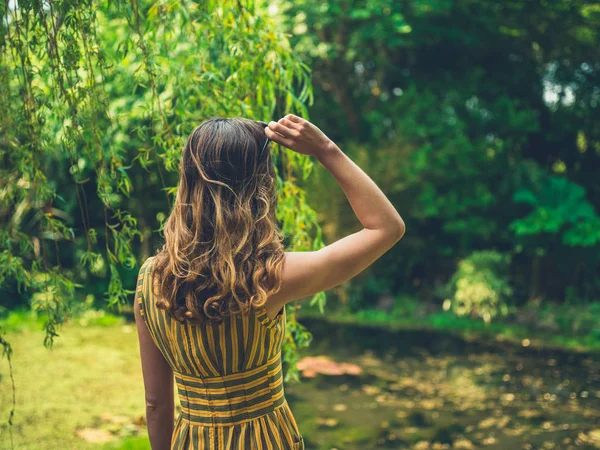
147, 262
146, 265
144, 272
142, 282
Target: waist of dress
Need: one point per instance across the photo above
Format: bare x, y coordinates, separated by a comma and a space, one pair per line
231, 399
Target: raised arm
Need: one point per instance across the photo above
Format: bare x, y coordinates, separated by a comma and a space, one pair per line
307, 273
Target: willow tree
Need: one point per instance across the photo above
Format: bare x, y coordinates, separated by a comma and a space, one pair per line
96, 100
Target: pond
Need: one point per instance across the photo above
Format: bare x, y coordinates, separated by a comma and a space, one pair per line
434, 390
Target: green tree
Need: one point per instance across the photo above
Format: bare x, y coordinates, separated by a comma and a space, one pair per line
456, 108
97, 99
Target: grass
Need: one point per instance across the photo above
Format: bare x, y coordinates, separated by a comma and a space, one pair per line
92, 369
469, 329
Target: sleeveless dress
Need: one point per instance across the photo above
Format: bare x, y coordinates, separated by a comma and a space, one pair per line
228, 376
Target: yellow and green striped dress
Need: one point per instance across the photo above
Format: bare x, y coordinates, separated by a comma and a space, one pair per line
228, 377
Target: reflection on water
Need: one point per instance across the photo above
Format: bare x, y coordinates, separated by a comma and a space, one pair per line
431, 390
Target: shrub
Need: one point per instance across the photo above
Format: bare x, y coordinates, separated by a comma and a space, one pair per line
480, 286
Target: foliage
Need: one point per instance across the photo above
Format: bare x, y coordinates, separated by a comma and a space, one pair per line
570, 318
480, 285
479, 123
97, 100
363, 293
559, 207
298, 338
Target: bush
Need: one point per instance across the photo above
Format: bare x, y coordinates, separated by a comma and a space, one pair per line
572, 319
480, 286
367, 292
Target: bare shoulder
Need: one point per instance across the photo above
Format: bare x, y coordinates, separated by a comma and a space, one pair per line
301, 277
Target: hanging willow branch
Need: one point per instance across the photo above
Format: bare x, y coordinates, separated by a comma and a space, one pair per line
97, 98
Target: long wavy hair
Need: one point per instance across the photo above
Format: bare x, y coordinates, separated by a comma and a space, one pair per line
223, 252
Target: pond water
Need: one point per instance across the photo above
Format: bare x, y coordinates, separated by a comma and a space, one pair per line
434, 390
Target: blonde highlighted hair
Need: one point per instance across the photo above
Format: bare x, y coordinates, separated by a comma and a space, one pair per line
223, 250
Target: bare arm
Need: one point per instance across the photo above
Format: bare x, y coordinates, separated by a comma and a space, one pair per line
307, 273
158, 385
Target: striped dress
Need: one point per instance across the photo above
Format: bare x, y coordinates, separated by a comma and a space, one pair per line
228, 377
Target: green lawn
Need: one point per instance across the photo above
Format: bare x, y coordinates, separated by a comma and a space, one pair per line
91, 371
90, 384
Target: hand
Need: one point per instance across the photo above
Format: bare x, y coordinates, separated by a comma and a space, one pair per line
299, 135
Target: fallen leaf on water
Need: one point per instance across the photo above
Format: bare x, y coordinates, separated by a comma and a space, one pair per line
499, 422
430, 404
528, 413
327, 422
440, 446
371, 390
369, 359
463, 443
401, 414
508, 397
548, 426
594, 436
313, 365
515, 431
489, 441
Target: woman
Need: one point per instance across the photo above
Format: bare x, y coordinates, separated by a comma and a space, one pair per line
210, 306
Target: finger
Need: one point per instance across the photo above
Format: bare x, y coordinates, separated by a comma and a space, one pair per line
281, 129
288, 123
294, 118
275, 137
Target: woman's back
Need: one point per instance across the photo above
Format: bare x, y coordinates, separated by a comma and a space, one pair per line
228, 376
224, 254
